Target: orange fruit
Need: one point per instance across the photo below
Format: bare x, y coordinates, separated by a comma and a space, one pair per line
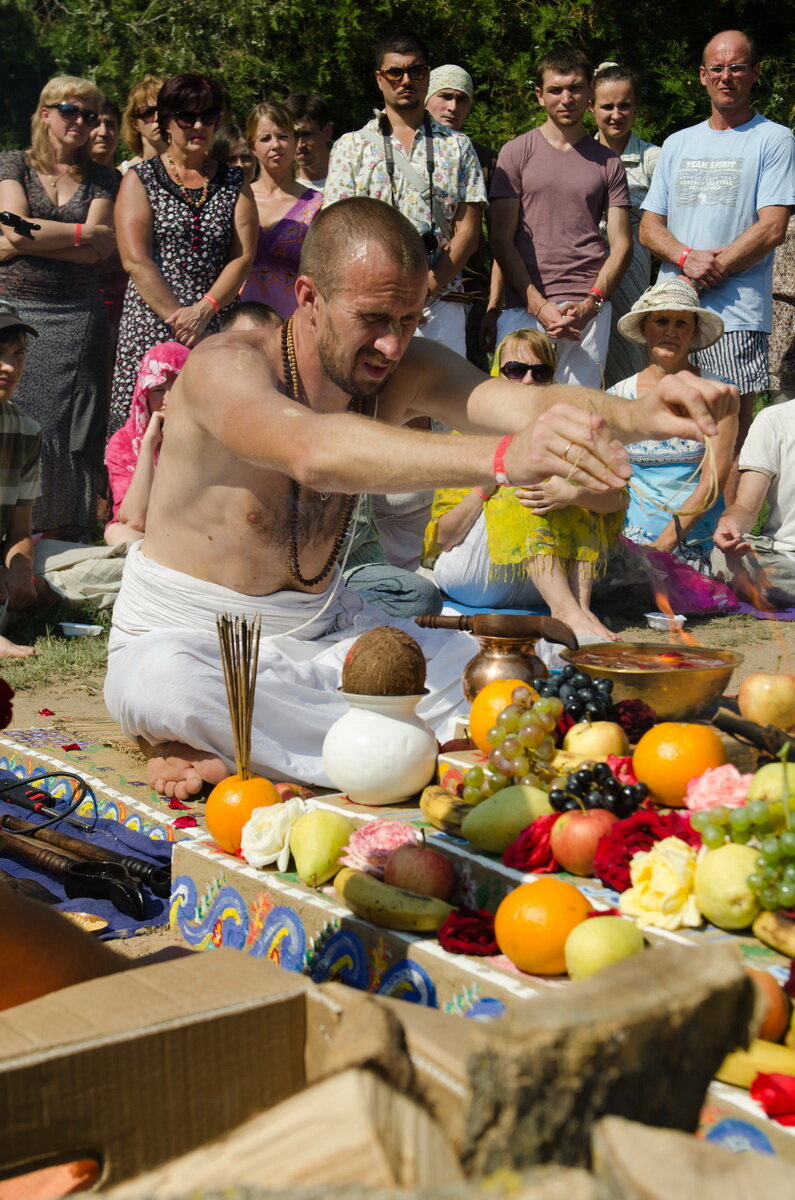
487, 706
533, 921
231, 803
775, 1021
669, 755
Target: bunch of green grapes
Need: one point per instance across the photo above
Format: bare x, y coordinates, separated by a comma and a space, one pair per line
754, 820
521, 744
774, 877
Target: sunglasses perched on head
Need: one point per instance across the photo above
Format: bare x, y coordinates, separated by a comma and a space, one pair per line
145, 113
516, 371
73, 112
416, 72
187, 119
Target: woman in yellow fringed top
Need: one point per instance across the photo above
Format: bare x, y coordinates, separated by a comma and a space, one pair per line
507, 547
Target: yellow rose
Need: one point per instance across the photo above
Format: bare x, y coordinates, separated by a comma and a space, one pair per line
662, 886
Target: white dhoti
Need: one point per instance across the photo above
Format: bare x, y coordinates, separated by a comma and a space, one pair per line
165, 682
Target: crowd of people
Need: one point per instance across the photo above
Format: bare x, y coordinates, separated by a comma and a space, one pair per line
221, 257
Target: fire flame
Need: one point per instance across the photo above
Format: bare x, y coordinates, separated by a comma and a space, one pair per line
677, 633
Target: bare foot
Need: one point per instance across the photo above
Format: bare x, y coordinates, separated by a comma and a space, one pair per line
12, 650
589, 628
178, 771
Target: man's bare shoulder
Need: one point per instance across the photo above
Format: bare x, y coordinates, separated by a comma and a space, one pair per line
228, 355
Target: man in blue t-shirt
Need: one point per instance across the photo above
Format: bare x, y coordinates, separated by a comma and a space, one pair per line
718, 206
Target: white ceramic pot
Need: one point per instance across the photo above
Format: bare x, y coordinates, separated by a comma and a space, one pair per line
380, 751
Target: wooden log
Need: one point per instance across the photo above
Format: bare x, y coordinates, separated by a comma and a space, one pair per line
642, 1040
352, 1129
634, 1162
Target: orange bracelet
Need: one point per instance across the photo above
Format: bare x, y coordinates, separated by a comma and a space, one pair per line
500, 474
213, 301
78, 234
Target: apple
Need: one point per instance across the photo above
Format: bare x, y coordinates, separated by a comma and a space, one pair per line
596, 739
768, 699
598, 943
421, 869
575, 836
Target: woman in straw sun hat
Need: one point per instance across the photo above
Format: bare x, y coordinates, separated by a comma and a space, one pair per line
669, 321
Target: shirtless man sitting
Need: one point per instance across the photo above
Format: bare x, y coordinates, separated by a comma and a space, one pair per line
269, 431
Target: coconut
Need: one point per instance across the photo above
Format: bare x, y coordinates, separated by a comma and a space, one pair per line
384, 662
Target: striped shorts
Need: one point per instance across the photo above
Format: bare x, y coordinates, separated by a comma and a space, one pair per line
739, 356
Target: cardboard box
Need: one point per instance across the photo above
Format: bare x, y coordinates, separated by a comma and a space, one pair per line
141, 1067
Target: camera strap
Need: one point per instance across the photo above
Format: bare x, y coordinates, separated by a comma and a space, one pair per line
411, 174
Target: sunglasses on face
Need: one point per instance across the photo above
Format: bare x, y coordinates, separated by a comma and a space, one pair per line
733, 68
416, 72
73, 112
516, 371
147, 113
187, 120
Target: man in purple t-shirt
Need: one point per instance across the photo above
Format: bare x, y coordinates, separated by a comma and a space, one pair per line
550, 190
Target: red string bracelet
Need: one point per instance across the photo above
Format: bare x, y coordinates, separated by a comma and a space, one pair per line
500, 474
483, 495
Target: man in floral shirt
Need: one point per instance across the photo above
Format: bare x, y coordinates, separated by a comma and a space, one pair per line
395, 157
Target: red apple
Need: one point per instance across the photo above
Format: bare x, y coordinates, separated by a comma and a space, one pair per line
575, 836
420, 869
768, 699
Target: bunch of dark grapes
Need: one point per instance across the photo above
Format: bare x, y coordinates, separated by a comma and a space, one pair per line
597, 787
584, 699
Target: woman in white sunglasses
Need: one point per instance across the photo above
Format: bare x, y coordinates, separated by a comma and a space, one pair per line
49, 273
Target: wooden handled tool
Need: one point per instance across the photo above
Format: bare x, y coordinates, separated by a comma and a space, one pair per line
516, 626
100, 880
155, 877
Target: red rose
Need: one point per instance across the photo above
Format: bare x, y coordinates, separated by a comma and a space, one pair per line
638, 832
776, 1094
466, 932
6, 707
532, 850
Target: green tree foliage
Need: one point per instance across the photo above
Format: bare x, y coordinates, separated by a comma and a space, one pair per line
268, 47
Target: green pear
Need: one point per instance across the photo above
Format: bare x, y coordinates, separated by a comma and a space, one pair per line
721, 886
767, 783
316, 841
496, 822
598, 943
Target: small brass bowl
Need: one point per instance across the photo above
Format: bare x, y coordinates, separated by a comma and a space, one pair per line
88, 922
676, 693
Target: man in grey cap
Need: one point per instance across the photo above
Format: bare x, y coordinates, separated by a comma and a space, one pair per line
449, 101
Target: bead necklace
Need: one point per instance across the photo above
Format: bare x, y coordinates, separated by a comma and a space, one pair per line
295, 390
187, 193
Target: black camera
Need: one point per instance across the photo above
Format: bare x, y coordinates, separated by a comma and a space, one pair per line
432, 245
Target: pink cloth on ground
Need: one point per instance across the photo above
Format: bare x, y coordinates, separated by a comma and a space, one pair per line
121, 453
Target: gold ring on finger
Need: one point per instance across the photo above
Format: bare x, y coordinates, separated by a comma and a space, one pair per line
565, 452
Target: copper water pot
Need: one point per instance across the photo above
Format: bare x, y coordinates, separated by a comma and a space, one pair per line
507, 645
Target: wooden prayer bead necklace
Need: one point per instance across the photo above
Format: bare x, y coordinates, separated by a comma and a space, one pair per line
295, 390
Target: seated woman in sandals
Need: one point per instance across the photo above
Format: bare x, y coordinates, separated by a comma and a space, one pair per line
132, 452
670, 323
506, 547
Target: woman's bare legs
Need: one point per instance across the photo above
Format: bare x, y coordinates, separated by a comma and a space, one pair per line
557, 586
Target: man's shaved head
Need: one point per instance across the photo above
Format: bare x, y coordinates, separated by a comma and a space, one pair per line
341, 232
732, 34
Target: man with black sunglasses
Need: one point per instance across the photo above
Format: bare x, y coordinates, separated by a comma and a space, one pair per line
427, 170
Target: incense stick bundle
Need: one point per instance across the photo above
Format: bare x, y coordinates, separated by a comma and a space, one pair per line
239, 640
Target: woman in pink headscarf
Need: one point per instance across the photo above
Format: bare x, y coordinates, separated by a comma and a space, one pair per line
132, 453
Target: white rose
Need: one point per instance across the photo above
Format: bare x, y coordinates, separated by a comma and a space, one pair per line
265, 838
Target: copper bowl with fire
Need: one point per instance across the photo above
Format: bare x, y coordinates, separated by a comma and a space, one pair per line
678, 682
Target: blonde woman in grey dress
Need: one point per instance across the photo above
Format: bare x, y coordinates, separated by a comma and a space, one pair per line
614, 106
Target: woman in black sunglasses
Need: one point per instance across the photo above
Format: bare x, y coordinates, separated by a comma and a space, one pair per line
51, 279
505, 547
139, 127
187, 234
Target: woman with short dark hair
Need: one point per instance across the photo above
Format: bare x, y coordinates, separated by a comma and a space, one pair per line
187, 228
